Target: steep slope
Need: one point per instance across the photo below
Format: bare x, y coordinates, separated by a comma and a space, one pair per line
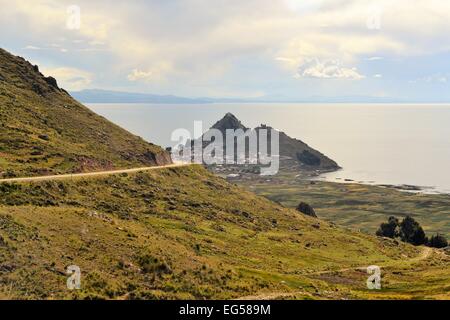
45, 131
300, 152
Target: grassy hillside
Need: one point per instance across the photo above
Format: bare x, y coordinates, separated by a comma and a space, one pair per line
184, 233
44, 131
168, 233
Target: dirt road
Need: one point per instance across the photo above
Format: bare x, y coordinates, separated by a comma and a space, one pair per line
90, 174
424, 254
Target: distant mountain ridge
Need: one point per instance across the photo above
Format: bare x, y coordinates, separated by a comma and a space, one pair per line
107, 96
111, 96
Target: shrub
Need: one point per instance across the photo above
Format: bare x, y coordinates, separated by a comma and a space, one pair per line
306, 209
9, 174
389, 229
3, 242
412, 232
409, 230
438, 241
150, 264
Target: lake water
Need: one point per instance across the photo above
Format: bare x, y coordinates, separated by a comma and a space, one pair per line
374, 143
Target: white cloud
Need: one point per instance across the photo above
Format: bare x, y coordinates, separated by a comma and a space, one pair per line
137, 75
434, 78
378, 76
374, 58
328, 69
30, 47
69, 78
96, 43
52, 46
212, 40
303, 6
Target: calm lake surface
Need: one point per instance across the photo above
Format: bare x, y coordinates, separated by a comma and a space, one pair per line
374, 143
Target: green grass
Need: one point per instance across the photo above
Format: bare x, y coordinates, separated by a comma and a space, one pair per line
210, 240
361, 207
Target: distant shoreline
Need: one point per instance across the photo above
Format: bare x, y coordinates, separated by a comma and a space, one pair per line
91, 96
409, 188
444, 104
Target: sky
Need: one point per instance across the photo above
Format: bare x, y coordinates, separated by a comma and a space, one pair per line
287, 49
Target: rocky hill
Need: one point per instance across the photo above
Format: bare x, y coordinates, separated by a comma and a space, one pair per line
294, 153
229, 121
43, 130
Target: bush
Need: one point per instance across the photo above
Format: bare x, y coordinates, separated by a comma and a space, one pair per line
2, 242
412, 232
150, 264
306, 209
9, 174
438, 241
389, 229
409, 230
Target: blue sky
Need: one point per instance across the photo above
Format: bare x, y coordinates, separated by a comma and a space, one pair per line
294, 49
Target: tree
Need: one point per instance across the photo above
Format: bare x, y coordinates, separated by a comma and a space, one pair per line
306, 209
438, 241
389, 229
412, 232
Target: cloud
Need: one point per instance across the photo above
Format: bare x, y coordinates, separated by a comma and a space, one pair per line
30, 47
328, 69
137, 75
70, 78
303, 6
378, 76
434, 78
52, 46
196, 46
374, 58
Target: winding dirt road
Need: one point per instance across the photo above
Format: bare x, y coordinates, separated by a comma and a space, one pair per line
424, 254
91, 174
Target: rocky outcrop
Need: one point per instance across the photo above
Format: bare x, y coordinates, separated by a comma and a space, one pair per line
293, 152
159, 159
22, 74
